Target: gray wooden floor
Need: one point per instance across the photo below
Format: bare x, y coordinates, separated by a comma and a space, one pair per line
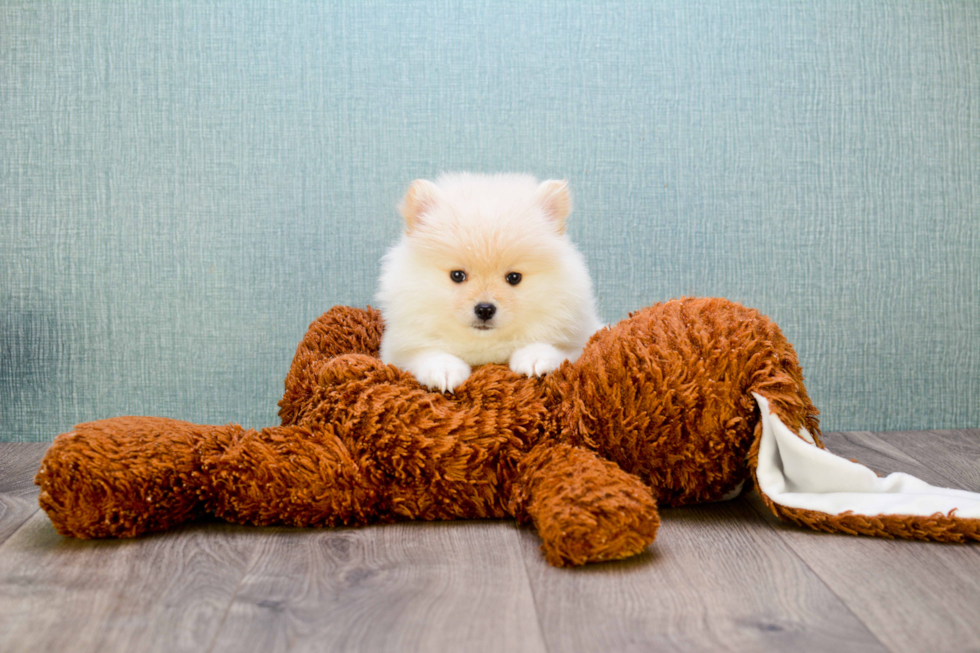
719, 577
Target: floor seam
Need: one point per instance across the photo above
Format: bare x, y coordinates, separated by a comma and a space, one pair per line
21, 526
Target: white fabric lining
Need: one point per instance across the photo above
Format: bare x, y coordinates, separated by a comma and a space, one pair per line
795, 473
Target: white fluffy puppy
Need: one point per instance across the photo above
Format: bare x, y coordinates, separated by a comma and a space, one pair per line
484, 273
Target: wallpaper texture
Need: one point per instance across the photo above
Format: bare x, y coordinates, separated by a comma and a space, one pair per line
184, 186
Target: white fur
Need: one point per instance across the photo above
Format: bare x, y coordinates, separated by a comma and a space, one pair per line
486, 226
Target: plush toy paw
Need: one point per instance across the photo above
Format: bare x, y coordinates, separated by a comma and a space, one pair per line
578, 534
537, 359
127, 476
439, 371
586, 509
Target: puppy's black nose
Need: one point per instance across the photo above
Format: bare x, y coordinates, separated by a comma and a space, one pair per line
484, 311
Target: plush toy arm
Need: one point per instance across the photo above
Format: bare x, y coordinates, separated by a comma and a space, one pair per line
341, 330
296, 475
128, 476
585, 509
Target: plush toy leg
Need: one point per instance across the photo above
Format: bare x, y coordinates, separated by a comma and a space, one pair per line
127, 476
810, 486
585, 509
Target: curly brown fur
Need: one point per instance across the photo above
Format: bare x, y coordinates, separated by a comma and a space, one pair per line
666, 394
341, 330
127, 476
585, 508
657, 409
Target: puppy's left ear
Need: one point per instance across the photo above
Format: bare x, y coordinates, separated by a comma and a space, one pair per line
421, 197
553, 197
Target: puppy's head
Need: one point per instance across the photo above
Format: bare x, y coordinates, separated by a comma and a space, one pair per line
493, 249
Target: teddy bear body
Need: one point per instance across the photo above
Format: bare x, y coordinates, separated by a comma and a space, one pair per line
658, 409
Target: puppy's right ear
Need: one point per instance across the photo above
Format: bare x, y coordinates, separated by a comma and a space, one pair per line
422, 195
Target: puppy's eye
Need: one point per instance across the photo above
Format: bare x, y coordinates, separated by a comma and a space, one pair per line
458, 276
513, 278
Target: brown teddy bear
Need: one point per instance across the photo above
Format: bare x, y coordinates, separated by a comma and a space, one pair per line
679, 403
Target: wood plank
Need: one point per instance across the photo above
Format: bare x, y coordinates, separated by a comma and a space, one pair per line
414, 586
159, 593
881, 455
19, 462
913, 596
953, 453
716, 578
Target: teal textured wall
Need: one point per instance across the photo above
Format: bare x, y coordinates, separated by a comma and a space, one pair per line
185, 186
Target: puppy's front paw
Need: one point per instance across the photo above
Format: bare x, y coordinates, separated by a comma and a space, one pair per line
536, 360
440, 372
